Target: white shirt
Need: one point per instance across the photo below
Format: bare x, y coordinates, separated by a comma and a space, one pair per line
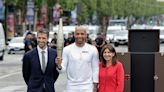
81, 65
40, 55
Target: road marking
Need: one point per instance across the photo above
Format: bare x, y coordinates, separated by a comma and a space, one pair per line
16, 72
11, 88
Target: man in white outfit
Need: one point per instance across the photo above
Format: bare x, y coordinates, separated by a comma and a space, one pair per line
81, 62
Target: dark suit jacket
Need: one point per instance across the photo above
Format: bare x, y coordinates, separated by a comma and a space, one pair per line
33, 75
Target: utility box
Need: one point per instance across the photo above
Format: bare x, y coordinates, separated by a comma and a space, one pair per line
143, 44
143, 41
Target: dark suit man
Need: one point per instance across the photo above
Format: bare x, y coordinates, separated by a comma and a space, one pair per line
39, 68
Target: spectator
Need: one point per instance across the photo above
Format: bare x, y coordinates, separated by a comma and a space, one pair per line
100, 42
89, 39
69, 40
28, 42
53, 43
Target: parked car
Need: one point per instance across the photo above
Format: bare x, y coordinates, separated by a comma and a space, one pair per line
92, 30
115, 25
141, 26
120, 37
2, 42
16, 44
110, 35
161, 37
161, 28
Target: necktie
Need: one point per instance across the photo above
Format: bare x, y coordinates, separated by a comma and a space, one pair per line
43, 61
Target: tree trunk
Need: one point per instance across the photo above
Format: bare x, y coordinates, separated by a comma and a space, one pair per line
24, 11
103, 25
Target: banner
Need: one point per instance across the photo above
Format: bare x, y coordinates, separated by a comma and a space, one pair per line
10, 25
56, 13
44, 14
30, 12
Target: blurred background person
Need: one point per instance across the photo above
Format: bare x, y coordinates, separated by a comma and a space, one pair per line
34, 41
28, 42
100, 42
53, 43
69, 40
89, 40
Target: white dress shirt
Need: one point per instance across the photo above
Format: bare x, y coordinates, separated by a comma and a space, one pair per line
40, 55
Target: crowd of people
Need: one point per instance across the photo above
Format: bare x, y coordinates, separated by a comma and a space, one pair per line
90, 66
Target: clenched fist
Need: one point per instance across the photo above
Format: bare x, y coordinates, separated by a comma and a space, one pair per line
58, 61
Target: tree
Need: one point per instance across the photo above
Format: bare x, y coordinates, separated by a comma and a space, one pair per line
105, 9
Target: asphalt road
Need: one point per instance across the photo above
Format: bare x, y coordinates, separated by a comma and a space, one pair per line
11, 79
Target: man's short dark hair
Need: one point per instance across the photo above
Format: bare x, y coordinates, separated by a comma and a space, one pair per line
55, 33
99, 40
28, 33
44, 31
98, 33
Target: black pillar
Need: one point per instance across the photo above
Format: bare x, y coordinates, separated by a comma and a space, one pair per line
142, 46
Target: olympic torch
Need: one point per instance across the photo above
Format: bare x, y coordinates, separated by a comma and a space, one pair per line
60, 38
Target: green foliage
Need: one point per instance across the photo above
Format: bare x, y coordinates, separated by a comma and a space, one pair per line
84, 13
105, 7
68, 4
120, 8
51, 3
11, 2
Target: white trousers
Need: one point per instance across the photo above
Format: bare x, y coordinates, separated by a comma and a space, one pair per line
79, 90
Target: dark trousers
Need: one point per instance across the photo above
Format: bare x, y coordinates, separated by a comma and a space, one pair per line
44, 90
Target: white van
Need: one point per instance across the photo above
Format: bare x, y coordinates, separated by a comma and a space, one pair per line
2, 42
